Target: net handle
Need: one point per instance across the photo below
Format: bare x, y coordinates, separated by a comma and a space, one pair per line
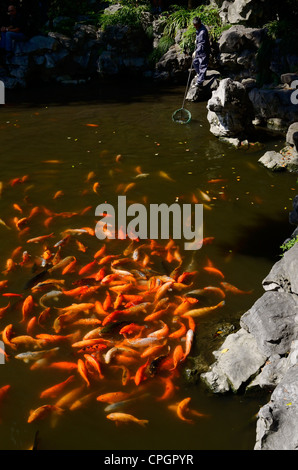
187, 85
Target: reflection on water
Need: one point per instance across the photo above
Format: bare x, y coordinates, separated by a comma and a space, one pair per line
68, 147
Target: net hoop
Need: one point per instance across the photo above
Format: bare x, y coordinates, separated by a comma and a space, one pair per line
181, 116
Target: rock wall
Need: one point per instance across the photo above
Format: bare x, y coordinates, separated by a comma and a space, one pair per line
263, 354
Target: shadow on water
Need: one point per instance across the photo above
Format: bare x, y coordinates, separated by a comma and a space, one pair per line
261, 240
104, 91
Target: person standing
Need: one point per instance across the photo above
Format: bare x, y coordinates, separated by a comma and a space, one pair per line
202, 51
14, 31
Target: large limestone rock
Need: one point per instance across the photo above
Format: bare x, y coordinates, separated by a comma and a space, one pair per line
238, 47
277, 425
272, 322
238, 360
230, 112
248, 12
204, 92
270, 103
292, 136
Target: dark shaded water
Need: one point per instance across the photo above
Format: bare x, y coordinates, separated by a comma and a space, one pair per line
49, 140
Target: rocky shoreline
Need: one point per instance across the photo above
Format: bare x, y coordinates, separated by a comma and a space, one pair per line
263, 354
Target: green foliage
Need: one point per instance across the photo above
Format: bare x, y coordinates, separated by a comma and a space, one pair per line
125, 16
163, 46
286, 246
181, 18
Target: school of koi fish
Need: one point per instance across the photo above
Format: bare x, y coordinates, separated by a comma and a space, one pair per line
115, 320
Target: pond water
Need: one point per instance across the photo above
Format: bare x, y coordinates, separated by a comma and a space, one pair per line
46, 136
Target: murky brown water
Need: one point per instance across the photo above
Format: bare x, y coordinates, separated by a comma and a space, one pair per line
48, 139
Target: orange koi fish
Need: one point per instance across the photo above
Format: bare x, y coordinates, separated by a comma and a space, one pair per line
183, 408
113, 397
63, 365
6, 336
40, 239
169, 389
27, 307
140, 374
55, 390
215, 271
43, 411
82, 370
203, 310
126, 418
234, 290
58, 194
4, 391
88, 267
93, 365
162, 333
178, 356
180, 332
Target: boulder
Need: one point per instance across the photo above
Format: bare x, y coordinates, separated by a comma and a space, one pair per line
283, 275
292, 136
273, 161
204, 92
248, 12
174, 64
272, 322
275, 102
238, 360
230, 112
277, 425
238, 47
37, 44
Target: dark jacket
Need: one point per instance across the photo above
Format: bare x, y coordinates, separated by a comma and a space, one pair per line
202, 46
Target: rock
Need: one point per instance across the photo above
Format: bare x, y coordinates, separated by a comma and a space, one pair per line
283, 275
269, 103
271, 374
203, 93
271, 321
273, 161
292, 136
239, 38
238, 360
173, 64
277, 425
248, 12
229, 110
36, 44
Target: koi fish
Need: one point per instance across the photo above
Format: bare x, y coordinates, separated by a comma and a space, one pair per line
126, 418
40, 238
215, 271
234, 290
55, 390
36, 355
203, 310
43, 411
3, 391
113, 397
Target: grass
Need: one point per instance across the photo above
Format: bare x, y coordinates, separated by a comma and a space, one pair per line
287, 246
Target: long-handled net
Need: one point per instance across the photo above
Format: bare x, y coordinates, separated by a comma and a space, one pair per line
182, 115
